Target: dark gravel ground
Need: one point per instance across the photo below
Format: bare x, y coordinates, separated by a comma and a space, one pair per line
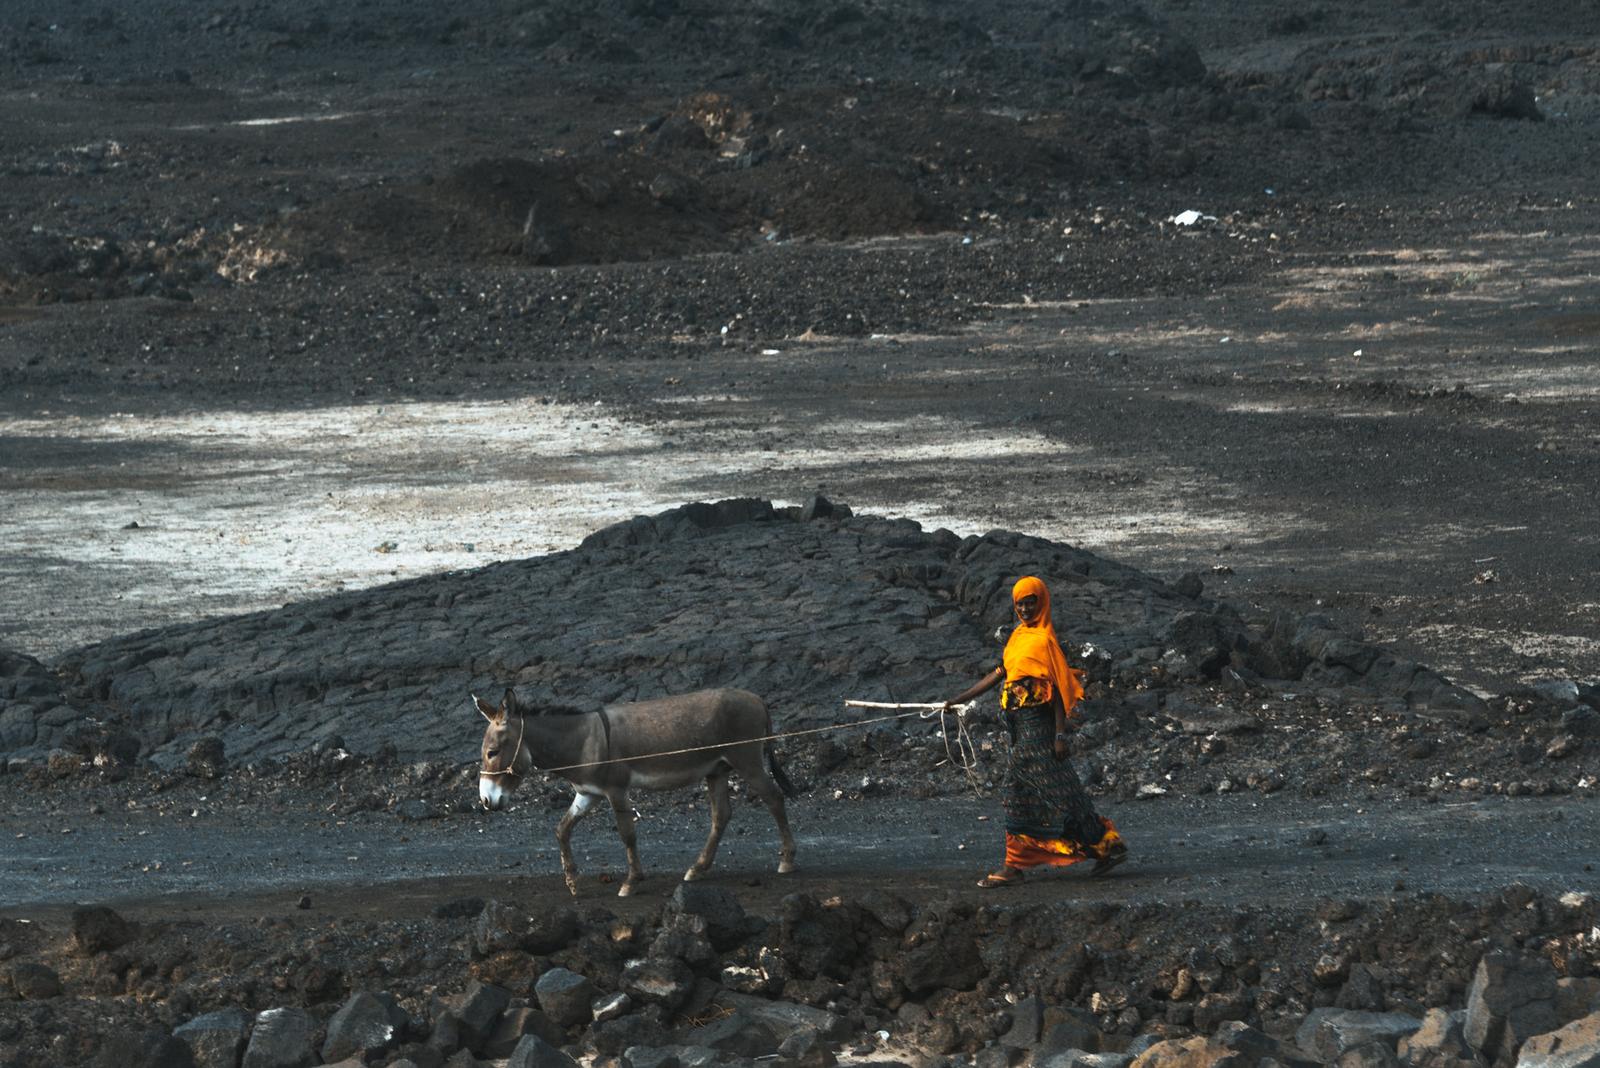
1365, 389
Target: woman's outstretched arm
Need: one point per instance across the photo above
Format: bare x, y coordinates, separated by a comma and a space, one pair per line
983, 686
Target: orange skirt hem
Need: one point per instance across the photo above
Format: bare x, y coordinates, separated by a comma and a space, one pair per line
1027, 851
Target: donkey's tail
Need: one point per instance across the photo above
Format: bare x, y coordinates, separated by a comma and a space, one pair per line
779, 777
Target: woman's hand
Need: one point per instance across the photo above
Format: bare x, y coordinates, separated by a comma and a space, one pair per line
1061, 747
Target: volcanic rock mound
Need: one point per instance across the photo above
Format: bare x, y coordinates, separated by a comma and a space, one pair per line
805, 606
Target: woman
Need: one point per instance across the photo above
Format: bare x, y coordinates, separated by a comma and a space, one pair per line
1050, 819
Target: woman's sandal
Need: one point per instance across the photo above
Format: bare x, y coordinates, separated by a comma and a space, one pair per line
997, 879
1114, 856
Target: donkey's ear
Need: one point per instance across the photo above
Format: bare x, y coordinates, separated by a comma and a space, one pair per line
485, 709
510, 703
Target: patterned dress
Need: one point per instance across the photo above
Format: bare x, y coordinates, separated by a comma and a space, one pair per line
1050, 818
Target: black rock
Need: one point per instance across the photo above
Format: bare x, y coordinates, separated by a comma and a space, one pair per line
725, 921
208, 758
365, 1025
98, 928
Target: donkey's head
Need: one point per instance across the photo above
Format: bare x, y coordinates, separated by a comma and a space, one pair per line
502, 751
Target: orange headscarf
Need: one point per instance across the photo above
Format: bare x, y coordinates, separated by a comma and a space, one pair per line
1033, 651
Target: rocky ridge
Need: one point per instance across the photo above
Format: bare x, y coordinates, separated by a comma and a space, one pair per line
1422, 982
808, 606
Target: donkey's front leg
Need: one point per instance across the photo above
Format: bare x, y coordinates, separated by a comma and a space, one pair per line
581, 803
624, 813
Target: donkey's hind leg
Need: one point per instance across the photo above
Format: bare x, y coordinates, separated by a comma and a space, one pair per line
581, 803
721, 809
622, 808
766, 788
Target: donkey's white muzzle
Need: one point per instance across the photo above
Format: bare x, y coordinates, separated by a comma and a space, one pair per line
491, 795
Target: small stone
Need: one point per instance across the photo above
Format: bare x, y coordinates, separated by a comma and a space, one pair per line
661, 982
610, 1007
207, 758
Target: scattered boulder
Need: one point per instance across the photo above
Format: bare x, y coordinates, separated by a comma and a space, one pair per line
1361, 990
478, 1009
502, 927
208, 758
815, 941
673, 190
683, 937
33, 982
1328, 1034
499, 927
1202, 638
1196, 1052
1069, 1029
1512, 998
1216, 1009
217, 1039
786, 1018
281, 1038
63, 763
552, 930
446, 1034
365, 1026
805, 1049
891, 911
650, 1057
566, 997
1576, 1045
641, 1028
1243, 1038
535, 1052
1027, 1023
738, 1034
951, 964
154, 1048
1369, 1055
514, 1025
1577, 997
725, 921
816, 507
664, 982
1581, 721
1077, 1058
1439, 1041
97, 928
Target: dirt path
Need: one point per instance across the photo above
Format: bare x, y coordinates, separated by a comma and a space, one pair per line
1221, 850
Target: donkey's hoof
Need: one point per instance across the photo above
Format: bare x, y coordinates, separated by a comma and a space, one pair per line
572, 885
694, 873
626, 891
785, 867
